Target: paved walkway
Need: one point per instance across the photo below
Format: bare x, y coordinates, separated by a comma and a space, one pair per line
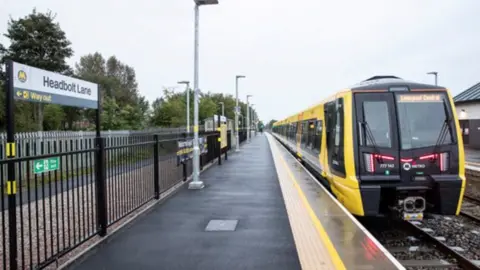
244, 192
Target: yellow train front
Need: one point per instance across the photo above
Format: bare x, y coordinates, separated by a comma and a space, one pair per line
383, 146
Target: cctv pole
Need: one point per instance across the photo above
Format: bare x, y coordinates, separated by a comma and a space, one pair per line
434, 73
237, 112
196, 183
248, 119
188, 108
187, 83
237, 139
223, 108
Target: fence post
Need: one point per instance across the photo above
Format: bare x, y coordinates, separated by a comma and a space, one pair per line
100, 187
156, 168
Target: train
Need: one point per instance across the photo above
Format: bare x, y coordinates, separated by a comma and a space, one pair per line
384, 146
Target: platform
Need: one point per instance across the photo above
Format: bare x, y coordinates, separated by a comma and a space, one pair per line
258, 210
472, 159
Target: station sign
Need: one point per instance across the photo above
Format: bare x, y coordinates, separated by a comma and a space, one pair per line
37, 85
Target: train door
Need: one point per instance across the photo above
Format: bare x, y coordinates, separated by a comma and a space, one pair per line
377, 136
335, 132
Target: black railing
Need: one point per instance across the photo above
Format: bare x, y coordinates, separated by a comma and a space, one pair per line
65, 197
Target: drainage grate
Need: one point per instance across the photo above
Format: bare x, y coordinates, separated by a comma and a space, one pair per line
221, 225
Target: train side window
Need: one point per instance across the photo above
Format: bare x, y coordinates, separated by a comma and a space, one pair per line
304, 132
318, 136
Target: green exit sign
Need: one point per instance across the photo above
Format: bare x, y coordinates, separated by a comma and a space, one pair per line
46, 165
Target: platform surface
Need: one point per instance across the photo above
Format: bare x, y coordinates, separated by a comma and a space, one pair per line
238, 221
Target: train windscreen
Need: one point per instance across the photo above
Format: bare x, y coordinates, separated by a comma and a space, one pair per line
424, 120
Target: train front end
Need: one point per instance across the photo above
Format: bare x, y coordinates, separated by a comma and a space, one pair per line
409, 153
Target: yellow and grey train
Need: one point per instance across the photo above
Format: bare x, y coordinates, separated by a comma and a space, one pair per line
383, 146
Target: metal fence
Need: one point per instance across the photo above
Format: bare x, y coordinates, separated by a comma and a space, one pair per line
69, 190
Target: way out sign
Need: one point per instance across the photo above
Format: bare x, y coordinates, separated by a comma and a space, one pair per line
46, 165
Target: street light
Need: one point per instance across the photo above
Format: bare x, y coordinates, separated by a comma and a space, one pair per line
223, 107
435, 74
237, 111
248, 118
196, 183
187, 83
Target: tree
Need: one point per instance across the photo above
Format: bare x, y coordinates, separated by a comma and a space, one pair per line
38, 41
119, 92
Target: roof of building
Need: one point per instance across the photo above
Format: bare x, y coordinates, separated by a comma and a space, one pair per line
471, 94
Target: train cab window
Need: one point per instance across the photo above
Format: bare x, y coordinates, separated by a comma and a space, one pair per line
421, 121
378, 120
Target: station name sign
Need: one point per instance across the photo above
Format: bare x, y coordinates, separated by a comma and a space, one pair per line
38, 85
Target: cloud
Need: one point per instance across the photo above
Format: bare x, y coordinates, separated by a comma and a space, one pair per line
294, 53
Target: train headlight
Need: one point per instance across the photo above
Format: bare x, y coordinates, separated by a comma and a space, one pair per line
444, 161
369, 162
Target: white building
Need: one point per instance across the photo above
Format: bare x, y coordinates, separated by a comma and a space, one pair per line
467, 105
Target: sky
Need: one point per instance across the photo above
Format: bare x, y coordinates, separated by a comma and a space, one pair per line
293, 53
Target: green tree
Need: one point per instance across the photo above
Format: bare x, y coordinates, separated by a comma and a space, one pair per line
36, 40
118, 89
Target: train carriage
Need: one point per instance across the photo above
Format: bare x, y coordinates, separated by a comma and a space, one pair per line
383, 146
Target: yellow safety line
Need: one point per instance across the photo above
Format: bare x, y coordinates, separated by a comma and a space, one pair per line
318, 225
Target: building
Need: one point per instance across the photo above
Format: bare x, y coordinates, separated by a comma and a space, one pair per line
467, 105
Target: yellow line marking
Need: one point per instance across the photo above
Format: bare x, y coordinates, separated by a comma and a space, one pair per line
318, 225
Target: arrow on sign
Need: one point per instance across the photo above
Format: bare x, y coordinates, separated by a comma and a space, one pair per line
39, 166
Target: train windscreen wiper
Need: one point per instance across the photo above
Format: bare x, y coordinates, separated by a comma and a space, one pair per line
444, 130
369, 135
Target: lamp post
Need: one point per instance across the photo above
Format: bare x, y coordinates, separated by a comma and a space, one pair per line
196, 183
237, 112
248, 118
435, 74
223, 107
187, 83
252, 116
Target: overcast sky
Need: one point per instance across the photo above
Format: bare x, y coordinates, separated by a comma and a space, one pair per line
294, 53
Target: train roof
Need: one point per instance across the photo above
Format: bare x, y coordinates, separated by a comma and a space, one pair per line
378, 82
383, 82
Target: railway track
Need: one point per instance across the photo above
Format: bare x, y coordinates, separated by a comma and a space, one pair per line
416, 246
471, 208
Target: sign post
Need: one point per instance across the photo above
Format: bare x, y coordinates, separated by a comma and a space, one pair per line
27, 83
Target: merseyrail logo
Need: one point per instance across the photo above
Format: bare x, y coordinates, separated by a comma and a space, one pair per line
22, 76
